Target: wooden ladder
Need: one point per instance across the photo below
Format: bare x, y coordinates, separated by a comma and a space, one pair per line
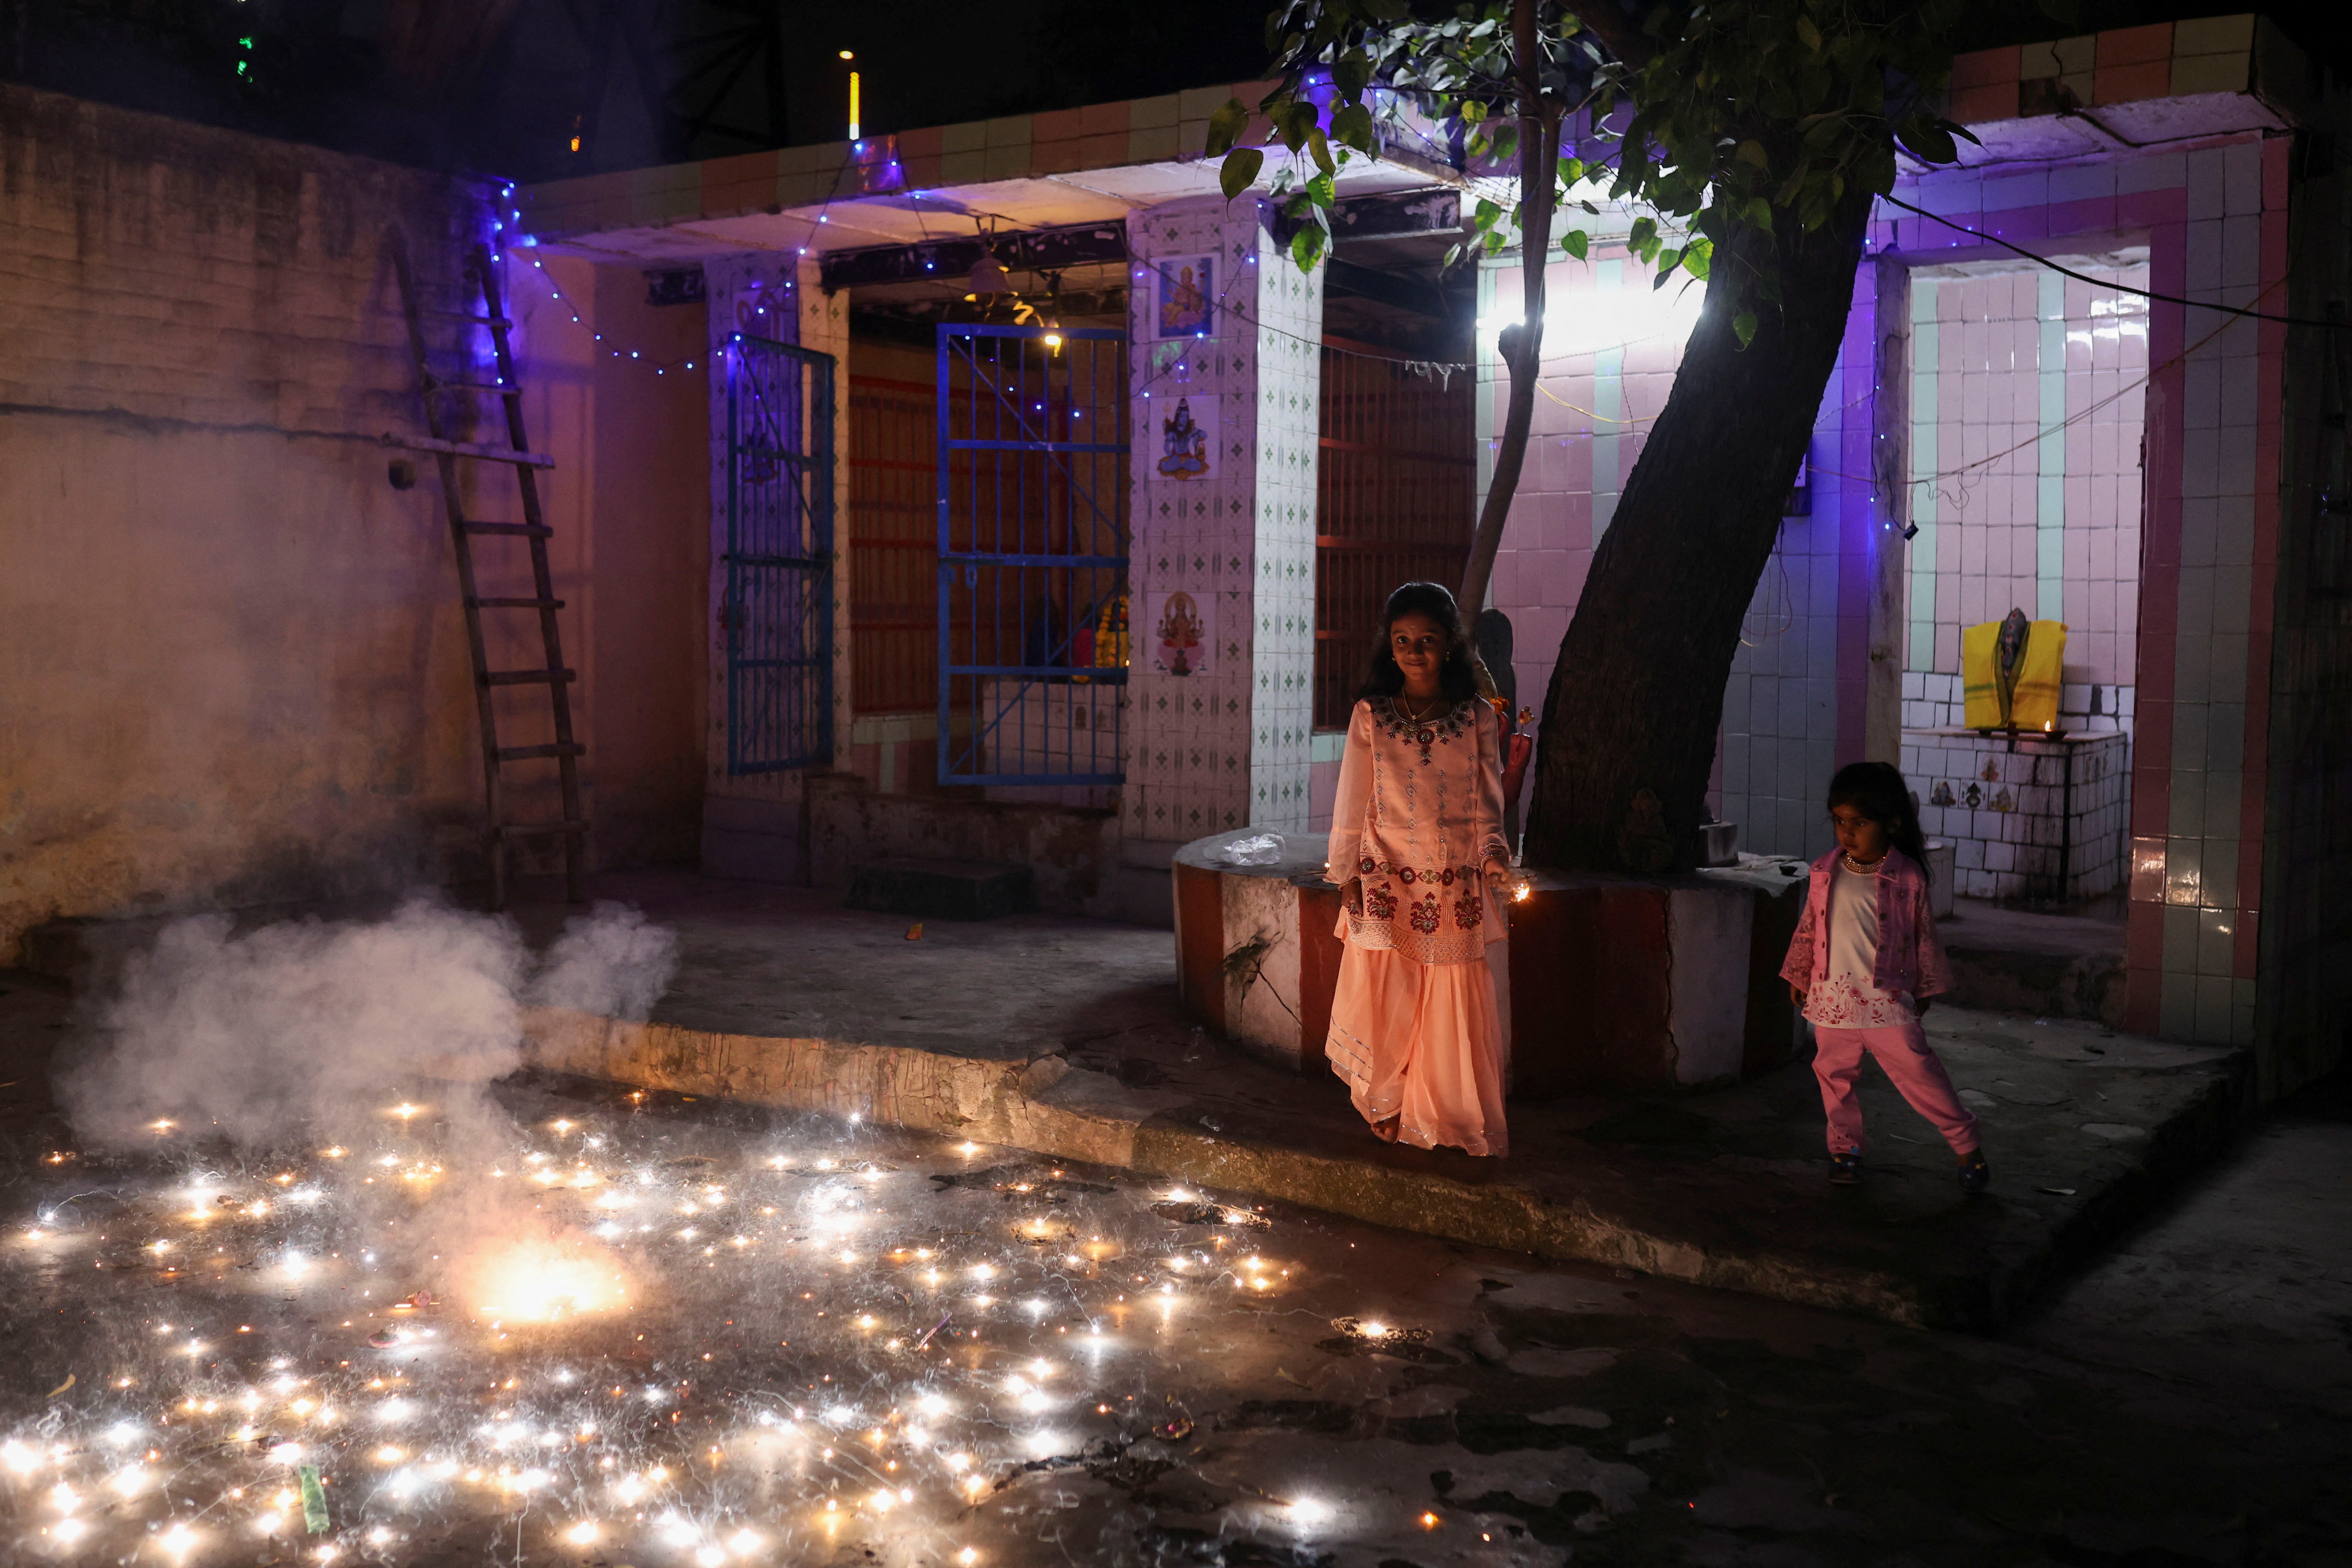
439, 393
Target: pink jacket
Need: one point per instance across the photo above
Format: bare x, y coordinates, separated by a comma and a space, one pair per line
1910, 958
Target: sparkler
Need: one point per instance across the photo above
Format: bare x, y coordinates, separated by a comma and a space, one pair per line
397, 1331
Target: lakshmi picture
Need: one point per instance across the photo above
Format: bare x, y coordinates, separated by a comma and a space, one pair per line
1180, 631
1185, 293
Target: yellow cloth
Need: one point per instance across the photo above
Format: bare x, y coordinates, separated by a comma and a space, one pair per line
2033, 705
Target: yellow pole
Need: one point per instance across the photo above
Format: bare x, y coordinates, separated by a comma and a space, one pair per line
853, 106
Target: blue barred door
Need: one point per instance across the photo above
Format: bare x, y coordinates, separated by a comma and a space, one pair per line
780, 545
1032, 554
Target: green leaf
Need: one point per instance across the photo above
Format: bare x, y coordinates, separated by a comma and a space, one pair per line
1927, 141
1320, 146
1640, 233
1306, 246
1753, 152
1351, 73
1699, 256
1743, 327
1571, 170
1809, 33
1293, 121
1757, 214
1240, 169
1576, 243
1227, 125
1322, 191
1353, 127
1667, 258
1471, 111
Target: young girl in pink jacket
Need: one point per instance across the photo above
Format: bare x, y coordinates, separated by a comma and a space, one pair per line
1865, 961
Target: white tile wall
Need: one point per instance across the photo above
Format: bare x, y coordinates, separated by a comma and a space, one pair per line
1227, 747
2034, 818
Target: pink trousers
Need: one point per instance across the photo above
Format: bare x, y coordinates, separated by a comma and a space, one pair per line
1911, 1065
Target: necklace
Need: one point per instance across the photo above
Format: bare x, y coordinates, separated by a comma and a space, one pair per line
1870, 869
1420, 716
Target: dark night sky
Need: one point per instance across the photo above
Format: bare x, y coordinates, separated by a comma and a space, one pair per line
323, 75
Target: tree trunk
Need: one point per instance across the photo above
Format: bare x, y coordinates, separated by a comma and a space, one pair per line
1637, 695
1522, 346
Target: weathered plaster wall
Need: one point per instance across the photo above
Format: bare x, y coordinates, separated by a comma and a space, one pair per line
232, 665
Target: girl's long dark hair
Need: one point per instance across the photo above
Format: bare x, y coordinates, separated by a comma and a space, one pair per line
1878, 791
1455, 677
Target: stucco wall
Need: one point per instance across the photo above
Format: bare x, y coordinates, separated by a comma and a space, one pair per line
232, 664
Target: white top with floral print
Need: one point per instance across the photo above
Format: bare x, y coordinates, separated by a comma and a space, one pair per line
1848, 999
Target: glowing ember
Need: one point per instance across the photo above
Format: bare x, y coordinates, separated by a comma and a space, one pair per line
541, 1282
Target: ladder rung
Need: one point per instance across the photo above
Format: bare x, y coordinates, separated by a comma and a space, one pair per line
516, 604
520, 529
539, 830
525, 754
470, 449
526, 677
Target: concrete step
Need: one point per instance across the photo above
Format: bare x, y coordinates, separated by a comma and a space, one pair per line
942, 890
2049, 965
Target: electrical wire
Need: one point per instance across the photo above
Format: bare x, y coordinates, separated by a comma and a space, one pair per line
2245, 312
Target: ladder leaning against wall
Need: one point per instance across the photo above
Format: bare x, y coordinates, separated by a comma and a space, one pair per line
442, 416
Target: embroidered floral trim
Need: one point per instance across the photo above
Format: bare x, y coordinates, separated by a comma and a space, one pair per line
1468, 910
1427, 732
1839, 1003
1379, 903
1424, 916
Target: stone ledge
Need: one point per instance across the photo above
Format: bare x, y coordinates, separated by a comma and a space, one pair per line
1717, 1189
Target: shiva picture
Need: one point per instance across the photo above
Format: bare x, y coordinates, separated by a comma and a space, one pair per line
1184, 450
1185, 290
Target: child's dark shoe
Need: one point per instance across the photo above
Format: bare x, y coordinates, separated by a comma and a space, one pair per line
1845, 1170
1974, 1175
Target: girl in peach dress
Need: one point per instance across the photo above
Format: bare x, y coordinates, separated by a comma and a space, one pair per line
1419, 1028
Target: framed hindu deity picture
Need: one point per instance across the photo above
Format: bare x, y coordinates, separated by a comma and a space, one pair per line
1180, 631
1183, 435
1185, 294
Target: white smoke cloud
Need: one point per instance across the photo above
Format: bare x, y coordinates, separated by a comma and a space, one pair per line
256, 1036
615, 963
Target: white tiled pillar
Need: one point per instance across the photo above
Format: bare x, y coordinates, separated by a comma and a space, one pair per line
1224, 396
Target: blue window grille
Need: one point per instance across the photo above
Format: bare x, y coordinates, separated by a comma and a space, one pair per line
1032, 554
779, 605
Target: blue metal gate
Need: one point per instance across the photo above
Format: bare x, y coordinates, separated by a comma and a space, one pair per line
778, 607
1032, 554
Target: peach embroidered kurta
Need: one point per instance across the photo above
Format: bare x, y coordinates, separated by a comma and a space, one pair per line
1418, 1020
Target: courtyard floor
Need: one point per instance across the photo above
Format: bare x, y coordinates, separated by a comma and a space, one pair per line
718, 1333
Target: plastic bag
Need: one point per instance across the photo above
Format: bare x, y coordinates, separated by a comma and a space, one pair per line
1257, 849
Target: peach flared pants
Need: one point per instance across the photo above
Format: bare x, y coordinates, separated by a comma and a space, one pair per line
1428, 1043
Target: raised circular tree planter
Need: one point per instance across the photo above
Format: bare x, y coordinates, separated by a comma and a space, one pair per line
1617, 983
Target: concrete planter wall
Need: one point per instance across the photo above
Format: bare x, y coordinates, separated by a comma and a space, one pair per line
1617, 983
